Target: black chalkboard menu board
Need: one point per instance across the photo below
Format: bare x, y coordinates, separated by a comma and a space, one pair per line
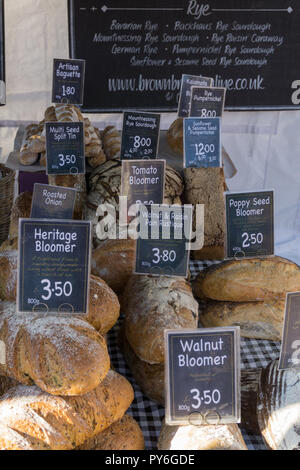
2, 55
136, 52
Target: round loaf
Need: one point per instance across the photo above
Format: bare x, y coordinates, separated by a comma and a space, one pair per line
151, 305
63, 355
175, 136
113, 261
32, 419
149, 377
124, 434
104, 306
261, 320
253, 279
208, 437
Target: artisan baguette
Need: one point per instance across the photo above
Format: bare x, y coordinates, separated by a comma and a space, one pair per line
252, 279
63, 355
124, 434
261, 320
207, 437
151, 305
32, 419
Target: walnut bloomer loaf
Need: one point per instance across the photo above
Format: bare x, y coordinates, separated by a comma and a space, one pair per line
261, 320
63, 355
252, 279
34, 420
151, 305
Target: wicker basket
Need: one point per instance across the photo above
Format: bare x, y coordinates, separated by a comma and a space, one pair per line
7, 184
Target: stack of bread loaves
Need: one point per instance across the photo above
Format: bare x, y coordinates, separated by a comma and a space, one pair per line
63, 394
151, 305
249, 293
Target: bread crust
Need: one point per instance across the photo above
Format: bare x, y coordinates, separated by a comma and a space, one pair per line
252, 279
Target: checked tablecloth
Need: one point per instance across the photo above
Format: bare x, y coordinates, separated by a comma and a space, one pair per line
149, 415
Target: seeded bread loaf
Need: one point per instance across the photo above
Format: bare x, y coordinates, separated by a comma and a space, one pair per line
34, 420
124, 434
261, 320
151, 305
206, 186
248, 280
63, 355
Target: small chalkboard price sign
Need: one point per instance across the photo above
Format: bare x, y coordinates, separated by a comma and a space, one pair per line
163, 245
290, 345
140, 135
249, 224
207, 102
188, 81
49, 202
202, 142
68, 81
202, 376
65, 148
143, 181
53, 266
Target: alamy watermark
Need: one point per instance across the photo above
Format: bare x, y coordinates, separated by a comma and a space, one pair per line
155, 221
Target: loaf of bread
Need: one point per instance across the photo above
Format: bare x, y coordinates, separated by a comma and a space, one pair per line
278, 407
151, 305
261, 320
113, 261
72, 181
124, 434
206, 186
63, 355
252, 279
28, 156
149, 377
111, 139
207, 437
175, 136
32, 419
249, 396
104, 306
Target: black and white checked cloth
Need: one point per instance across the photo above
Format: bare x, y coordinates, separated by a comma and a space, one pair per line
149, 415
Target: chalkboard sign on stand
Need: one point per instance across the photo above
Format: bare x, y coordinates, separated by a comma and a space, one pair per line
137, 52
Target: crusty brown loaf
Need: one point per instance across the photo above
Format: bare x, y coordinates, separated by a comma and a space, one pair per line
206, 186
111, 139
32, 419
113, 261
149, 377
124, 434
72, 181
104, 306
208, 437
151, 305
252, 279
63, 355
175, 136
261, 320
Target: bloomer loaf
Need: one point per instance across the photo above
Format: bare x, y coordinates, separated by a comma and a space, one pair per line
34, 420
63, 355
151, 305
252, 279
261, 320
208, 437
124, 434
